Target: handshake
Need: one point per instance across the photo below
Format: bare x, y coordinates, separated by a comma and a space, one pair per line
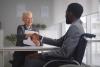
36, 38
33, 38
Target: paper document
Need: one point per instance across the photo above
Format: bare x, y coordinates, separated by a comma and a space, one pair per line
30, 32
28, 41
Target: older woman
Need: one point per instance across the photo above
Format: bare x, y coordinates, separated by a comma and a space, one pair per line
19, 57
21, 35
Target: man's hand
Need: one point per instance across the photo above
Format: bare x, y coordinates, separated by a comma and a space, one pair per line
36, 39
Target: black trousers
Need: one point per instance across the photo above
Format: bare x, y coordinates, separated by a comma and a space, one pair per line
19, 58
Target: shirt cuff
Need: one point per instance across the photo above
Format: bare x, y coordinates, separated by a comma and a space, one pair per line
42, 39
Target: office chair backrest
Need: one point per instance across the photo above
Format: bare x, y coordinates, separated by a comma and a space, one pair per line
80, 49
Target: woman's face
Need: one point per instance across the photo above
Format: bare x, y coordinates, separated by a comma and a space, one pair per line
27, 19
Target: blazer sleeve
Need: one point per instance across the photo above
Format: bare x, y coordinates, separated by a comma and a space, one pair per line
55, 42
20, 32
20, 35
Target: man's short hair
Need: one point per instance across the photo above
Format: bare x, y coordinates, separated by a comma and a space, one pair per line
76, 9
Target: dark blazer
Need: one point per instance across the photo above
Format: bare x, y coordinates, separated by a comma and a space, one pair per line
21, 36
19, 56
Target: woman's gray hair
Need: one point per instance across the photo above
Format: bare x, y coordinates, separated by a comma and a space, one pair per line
26, 13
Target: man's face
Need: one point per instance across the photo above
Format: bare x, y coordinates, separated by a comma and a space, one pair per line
68, 18
27, 20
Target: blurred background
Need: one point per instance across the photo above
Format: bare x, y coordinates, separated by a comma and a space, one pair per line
50, 13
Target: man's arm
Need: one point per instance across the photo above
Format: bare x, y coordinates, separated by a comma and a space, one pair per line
55, 42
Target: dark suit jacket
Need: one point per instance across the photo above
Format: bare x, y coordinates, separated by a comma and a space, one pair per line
19, 56
21, 36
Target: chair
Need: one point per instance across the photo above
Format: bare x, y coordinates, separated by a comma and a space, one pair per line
77, 55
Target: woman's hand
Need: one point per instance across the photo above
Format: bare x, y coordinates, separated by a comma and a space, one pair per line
29, 34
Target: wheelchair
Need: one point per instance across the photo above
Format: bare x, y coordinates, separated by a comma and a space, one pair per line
76, 57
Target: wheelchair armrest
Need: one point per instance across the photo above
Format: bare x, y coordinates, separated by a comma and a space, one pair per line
88, 35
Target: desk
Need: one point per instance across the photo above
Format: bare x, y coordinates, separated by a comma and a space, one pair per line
26, 48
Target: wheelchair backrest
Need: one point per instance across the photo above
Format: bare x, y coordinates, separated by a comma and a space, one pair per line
80, 49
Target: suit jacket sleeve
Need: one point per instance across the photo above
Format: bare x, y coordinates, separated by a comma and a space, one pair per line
55, 42
20, 35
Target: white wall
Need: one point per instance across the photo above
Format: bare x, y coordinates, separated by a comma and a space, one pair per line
59, 11
60, 6
53, 31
